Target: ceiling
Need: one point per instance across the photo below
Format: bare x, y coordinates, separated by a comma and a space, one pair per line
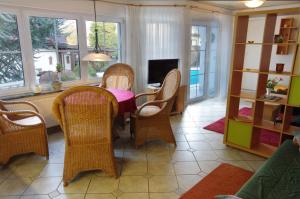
231, 5
237, 5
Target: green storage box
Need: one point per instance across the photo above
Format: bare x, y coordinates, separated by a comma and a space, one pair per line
294, 97
239, 133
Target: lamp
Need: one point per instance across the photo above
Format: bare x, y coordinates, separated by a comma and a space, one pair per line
254, 3
97, 55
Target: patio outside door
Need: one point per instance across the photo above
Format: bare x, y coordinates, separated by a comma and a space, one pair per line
203, 68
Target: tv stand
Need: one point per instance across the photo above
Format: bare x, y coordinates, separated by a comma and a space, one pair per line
179, 104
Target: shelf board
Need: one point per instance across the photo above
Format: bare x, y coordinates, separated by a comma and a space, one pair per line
246, 95
291, 130
279, 44
250, 70
260, 149
282, 101
244, 119
289, 27
269, 125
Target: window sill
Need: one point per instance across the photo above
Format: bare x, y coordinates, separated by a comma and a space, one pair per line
32, 94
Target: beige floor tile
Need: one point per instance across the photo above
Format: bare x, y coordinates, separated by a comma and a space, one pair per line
200, 145
9, 197
186, 182
27, 170
76, 186
248, 156
217, 144
163, 184
134, 195
182, 156
43, 185
160, 168
4, 173
100, 196
14, 186
134, 184
228, 154
157, 145
52, 170
103, 185
255, 165
180, 146
35, 197
214, 136
195, 137
239, 163
134, 168
186, 168
208, 166
205, 155
179, 137
70, 196
164, 196
135, 155
159, 156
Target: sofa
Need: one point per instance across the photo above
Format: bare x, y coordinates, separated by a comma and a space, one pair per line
278, 178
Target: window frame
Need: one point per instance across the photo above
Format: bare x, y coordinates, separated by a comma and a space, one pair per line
23, 15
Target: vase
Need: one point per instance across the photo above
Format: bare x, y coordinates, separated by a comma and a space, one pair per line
56, 85
268, 91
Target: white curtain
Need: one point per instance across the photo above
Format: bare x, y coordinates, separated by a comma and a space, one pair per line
156, 33
225, 48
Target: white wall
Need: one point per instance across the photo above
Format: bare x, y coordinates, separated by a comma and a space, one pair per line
253, 52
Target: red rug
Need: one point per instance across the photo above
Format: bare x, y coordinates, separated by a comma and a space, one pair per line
224, 180
267, 137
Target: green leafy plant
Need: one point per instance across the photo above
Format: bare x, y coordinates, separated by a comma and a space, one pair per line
59, 68
271, 83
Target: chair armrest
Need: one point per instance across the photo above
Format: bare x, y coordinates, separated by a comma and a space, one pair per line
157, 102
145, 94
18, 113
21, 102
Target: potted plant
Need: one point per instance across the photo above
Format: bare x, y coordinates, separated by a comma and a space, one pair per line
56, 84
271, 83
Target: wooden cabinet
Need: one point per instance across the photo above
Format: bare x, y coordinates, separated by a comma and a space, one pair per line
245, 134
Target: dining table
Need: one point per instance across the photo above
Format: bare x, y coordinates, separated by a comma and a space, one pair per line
126, 100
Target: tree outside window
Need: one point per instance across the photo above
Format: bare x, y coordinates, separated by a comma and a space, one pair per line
55, 38
11, 66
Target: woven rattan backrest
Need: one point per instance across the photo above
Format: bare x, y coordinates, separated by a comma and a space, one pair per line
85, 113
118, 76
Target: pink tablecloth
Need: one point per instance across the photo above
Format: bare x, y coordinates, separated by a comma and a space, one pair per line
126, 100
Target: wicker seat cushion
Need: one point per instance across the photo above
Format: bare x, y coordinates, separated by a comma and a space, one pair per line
149, 110
29, 121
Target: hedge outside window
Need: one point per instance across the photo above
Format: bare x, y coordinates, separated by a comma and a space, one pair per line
54, 41
109, 41
11, 66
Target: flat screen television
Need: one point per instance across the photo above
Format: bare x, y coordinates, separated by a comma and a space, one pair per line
159, 68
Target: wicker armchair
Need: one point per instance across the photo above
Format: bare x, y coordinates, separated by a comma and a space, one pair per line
86, 114
21, 131
119, 76
151, 120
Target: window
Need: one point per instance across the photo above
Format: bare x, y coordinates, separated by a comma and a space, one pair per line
109, 41
53, 40
11, 66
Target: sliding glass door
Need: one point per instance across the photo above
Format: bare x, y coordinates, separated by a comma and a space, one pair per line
203, 67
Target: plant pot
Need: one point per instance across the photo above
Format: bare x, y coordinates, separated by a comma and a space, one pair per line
268, 93
56, 85
279, 68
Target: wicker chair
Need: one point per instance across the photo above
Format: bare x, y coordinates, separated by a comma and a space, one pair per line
119, 76
151, 120
21, 131
85, 114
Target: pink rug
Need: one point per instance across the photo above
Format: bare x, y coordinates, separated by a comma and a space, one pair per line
267, 137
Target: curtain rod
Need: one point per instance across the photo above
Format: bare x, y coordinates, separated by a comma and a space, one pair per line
162, 5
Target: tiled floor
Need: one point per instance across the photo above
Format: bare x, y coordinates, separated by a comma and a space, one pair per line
155, 171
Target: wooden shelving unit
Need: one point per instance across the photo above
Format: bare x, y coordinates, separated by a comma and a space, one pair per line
244, 133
